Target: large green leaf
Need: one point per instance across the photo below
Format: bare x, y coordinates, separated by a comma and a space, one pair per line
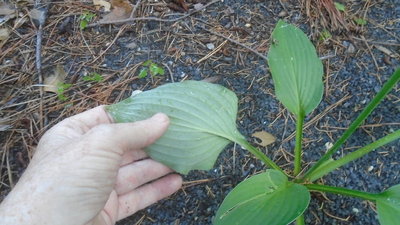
266, 198
388, 206
203, 122
296, 69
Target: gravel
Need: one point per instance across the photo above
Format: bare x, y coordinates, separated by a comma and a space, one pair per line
352, 73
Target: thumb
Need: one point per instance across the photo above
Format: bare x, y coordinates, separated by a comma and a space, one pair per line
122, 137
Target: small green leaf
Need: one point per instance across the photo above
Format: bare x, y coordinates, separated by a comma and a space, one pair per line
360, 21
340, 6
89, 16
202, 122
93, 77
147, 62
85, 18
83, 24
61, 88
161, 71
325, 35
266, 198
62, 97
388, 206
143, 73
296, 69
155, 69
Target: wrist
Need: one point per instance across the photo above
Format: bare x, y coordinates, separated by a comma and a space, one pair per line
17, 208
28, 203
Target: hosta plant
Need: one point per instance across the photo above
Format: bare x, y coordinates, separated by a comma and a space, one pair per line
203, 122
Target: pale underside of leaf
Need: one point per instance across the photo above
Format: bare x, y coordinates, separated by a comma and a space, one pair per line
388, 206
296, 69
202, 122
266, 198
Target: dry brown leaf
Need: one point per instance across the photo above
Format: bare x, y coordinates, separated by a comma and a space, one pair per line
121, 10
51, 82
38, 15
183, 4
265, 137
7, 12
386, 51
4, 34
6, 9
102, 3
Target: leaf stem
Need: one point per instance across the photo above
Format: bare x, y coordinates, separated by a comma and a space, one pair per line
330, 166
297, 148
387, 87
300, 220
257, 153
343, 191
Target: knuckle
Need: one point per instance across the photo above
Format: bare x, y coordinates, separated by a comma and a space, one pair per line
102, 129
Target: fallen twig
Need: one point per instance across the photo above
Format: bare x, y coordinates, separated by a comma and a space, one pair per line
212, 52
233, 41
170, 72
135, 8
42, 8
370, 52
245, 46
319, 116
377, 42
111, 44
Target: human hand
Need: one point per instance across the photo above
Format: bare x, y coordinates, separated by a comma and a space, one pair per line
87, 170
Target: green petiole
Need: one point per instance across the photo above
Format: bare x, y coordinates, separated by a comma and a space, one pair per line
299, 137
387, 87
258, 154
300, 220
327, 168
343, 191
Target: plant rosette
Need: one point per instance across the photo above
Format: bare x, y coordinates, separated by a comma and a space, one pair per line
203, 121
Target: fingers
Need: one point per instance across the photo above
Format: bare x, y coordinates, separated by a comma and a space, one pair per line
136, 174
108, 215
132, 156
85, 121
122, 137
148, 194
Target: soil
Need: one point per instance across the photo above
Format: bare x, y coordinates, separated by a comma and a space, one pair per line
355, 69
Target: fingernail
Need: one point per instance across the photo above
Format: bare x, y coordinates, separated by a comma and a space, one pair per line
160, 117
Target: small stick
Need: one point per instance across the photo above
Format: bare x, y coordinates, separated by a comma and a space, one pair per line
377, 42
249, 48
121, 30
370, 52
38, 52
212, 52
318, 117
135, 8
170, 72
235, 42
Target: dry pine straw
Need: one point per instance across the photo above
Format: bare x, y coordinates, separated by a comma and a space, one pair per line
26, 112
